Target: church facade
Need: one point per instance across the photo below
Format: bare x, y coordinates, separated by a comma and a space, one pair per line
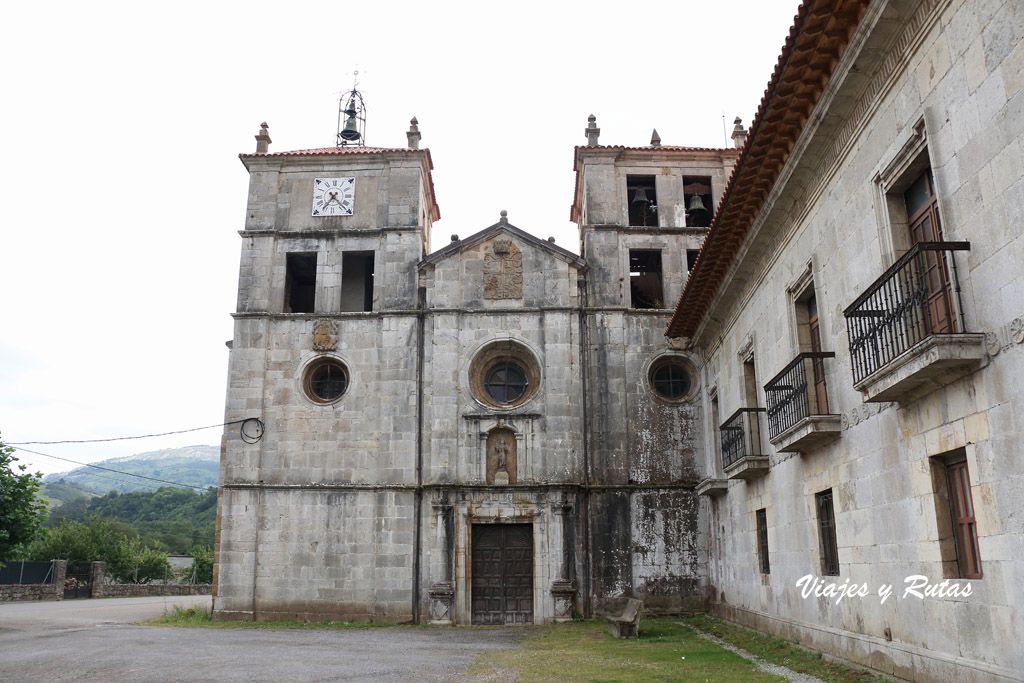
496, 432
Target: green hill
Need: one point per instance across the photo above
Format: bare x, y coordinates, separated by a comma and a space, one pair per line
190, 465
59, 492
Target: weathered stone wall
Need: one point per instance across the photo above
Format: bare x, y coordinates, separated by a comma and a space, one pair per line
38, 591
145, 590
956, 66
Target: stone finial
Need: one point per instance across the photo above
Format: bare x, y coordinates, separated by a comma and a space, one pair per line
592, 131
263, 139
413, 134
504, 216
551, 239
739, 134
455, 238
655, 138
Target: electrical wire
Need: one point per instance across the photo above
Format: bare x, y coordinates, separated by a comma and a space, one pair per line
255, 435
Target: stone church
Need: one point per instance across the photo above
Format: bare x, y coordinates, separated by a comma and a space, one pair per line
498, 432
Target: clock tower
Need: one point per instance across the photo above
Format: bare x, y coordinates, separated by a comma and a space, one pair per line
326, 315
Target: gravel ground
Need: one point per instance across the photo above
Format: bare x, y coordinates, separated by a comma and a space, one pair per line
96, 640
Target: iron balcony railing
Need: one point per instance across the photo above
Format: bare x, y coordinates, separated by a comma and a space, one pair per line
797, 392
741, 435
918, 296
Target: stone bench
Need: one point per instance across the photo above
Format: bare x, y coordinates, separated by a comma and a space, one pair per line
627, 625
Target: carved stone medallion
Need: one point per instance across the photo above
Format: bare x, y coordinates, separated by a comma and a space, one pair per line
503, 271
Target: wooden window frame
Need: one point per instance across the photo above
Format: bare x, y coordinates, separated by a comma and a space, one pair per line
825, 505
764, 564
963, 519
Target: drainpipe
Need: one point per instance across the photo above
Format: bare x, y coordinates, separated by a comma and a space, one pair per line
581, 286
418, 496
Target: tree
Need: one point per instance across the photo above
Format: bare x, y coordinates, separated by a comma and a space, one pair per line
21, 510
202, 564
88, 541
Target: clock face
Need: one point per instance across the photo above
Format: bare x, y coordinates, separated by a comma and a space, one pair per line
334, 196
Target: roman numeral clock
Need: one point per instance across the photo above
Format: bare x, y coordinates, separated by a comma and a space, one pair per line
333, 196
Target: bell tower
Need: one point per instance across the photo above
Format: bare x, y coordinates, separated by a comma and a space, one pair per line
642, 214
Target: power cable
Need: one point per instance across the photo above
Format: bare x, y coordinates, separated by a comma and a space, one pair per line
251, 435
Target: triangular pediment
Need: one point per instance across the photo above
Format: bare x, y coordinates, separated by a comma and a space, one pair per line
497, 231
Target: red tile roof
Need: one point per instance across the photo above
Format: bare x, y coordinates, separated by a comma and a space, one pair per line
330, 151
820, 33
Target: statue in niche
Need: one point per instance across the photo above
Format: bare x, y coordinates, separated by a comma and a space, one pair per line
501, 457
503, 271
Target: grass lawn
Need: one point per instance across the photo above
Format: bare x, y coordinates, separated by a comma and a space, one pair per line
668, 650
585, 651
779, 651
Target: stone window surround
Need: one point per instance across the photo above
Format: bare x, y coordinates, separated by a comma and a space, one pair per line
498, 349
306, 363
693, 394
890, 181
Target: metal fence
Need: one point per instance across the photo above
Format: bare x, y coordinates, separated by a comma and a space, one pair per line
797, 392
918, 296
741, 435
23, 572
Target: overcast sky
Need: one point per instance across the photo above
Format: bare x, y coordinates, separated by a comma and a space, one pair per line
123, 193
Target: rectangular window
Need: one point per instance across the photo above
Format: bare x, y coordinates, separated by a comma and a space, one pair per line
357, 281
809, 335
300, 283
645, 279
762, 540
827, 532
965, 527
643, 201
699, 206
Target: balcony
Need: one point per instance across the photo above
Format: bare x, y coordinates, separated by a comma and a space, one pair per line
741, 445
906, 331
713, 487
798, 413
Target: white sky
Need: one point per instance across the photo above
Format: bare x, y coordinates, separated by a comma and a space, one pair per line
123, 192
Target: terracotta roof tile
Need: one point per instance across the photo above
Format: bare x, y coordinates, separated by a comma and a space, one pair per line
330, 151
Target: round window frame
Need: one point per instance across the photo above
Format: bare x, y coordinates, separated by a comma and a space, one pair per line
311, 369
489, 357
664, 361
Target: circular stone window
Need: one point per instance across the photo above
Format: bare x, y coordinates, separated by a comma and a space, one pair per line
326, 380
671, 378
504, 375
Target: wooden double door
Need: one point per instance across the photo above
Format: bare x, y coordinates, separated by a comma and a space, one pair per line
502, 574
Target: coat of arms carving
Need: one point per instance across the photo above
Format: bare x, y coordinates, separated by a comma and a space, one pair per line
325, 335
503, 271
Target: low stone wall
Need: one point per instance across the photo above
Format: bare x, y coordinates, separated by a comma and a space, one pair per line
145, 590
37, 591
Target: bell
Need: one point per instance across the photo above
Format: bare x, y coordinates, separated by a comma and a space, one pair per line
696, 204
640, 196
351, 130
